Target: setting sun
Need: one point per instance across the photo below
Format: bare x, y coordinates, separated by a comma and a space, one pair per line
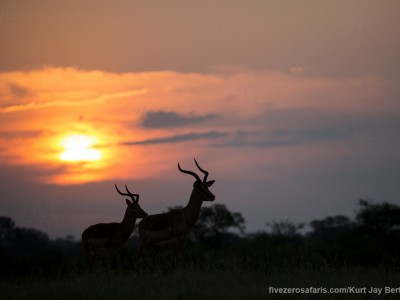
79, 148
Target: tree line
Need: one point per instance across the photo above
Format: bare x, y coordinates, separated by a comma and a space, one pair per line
372, 237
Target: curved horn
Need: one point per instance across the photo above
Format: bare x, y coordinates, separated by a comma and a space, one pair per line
204, 171
119, 192
131, 194
189, 172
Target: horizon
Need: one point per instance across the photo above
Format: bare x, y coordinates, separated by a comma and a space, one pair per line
293, 109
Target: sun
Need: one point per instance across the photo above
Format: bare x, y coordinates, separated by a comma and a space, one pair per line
78, 148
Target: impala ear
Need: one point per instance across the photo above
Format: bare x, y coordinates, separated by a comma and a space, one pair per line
210, 183
128, 202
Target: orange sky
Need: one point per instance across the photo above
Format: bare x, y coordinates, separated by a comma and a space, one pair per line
43, 107
288, 105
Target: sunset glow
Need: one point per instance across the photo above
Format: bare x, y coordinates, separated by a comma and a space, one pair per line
79, 148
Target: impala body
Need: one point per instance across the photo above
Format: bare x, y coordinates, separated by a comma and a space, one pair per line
112, 235
175, 224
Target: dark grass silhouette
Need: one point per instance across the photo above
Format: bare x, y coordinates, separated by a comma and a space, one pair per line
337, 252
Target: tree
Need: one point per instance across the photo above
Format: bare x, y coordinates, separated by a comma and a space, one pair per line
382, 217
330, 227
7, 231
285, 228
216, 220
6, 227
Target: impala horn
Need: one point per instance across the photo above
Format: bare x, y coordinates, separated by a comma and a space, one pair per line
204, 171
190, 173
129, 194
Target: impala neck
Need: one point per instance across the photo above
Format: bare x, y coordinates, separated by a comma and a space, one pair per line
192, 209
128, 221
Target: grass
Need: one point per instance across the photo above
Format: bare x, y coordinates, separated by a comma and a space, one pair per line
227, 278
178, 284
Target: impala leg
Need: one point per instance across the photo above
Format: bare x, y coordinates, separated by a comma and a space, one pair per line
109, 258
141, 248
154, 249
87, 257
140, 251
178, 243
118, 258
87, 263
86, 250
143, 243
176, 259
90, 257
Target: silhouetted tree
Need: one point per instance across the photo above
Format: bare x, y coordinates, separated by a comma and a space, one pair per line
382, 217
7, 227
21, 240
285, 228
330, 227
215, 222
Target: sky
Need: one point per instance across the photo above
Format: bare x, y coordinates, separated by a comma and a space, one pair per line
292, 106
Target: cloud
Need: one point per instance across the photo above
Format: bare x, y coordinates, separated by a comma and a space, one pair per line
178, 138
160, 119
93, 101
242, 113
286, 137
19, 134
18, 91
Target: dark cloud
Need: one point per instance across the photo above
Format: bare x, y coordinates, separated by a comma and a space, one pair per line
285, 137
310, 134
18, 91
178, 138
159, 119
19, 134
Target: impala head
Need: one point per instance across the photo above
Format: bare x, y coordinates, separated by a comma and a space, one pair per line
201, 186
133, 205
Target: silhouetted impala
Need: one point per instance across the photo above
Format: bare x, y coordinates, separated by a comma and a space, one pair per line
112, 235
175, 224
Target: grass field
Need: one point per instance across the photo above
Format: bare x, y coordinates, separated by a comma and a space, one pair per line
225, 278
338, 254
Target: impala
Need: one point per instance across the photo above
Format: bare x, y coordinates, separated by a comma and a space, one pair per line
175, 224
112, 236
